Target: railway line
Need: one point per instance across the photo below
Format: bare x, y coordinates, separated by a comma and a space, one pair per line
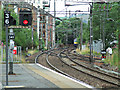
60, 61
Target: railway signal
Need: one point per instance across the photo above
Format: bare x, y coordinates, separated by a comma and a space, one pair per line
25, 18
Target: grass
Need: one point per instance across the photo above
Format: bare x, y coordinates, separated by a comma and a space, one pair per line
87, 51
113, 60
33, 51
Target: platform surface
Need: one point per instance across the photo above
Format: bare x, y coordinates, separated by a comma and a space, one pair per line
37, 76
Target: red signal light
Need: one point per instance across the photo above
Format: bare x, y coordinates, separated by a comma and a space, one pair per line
25, 21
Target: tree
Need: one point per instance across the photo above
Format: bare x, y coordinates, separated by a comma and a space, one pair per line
72, 27
108, 19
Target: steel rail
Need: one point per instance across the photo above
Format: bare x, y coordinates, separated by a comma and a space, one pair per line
92, 70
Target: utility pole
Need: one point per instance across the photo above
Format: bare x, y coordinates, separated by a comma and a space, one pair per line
47, 31
66, 12
81, 31
107, 9
32, 38
91, 35
100, 20
104, 30
53, 33
32, 27
57, 39
38, 23
119, 38
41, 28
69, 13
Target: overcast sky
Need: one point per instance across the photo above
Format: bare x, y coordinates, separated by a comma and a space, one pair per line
60, 6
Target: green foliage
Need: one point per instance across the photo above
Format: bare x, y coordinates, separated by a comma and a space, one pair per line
109, 19
23, 37
68, 26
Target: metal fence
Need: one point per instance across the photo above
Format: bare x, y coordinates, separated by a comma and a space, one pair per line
17, 58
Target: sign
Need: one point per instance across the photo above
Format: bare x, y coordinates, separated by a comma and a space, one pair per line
6, 18
11, 36
15, 50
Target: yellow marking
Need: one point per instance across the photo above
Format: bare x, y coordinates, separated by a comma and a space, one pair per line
14, 86
48, 77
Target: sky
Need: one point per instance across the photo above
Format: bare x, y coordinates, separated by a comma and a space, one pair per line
60, 6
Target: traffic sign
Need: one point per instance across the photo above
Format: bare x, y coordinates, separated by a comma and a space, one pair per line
15, 50
6, 18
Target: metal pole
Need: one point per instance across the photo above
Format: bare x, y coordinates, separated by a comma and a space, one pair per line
104, 30
57, 38
54, 25
81, 31
91, 36
38, 19
107, 9
32, 27
66, 12
6, 55
32, 38
69, 13
46, 31
41, 29
119, 39
100, 22
11, 54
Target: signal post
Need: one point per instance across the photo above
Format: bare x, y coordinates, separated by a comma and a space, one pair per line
25, 21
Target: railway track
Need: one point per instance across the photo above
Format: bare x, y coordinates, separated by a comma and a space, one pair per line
60, 62
90, 71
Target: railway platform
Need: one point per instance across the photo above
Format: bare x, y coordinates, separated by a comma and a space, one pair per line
38, 76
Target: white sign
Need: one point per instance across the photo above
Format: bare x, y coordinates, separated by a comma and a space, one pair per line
6, 18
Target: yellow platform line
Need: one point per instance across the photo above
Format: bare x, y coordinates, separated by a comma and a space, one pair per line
52, 79
14, 86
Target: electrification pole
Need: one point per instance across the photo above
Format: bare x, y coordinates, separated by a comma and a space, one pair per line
81, 31
91, 35
104, 30
47, 31
38, 23
119, 37
32, 27
54, 25
41, 27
